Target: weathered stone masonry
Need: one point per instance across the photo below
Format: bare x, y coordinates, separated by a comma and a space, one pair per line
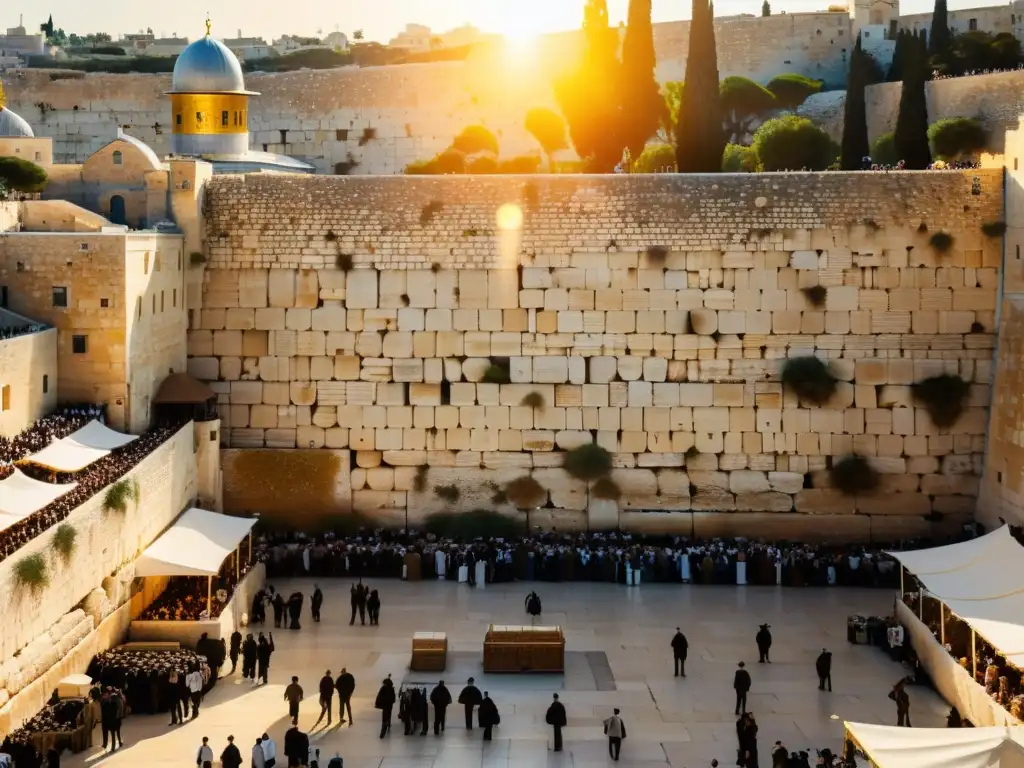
650, 313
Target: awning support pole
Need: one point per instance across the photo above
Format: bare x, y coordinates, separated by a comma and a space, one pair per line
209, 597
250, 546
238, 555
902, 593
920, 604
974, 654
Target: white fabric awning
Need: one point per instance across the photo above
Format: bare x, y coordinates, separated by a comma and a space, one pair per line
80, 449
998, 621
196, 545
953, 557
20, 496
892, 747
998, 574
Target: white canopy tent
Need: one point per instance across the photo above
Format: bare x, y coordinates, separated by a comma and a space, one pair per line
20, 496
196, 545
953, 557
80, 449
998, 621
891, 747
1001, 573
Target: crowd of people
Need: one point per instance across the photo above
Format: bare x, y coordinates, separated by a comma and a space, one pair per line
185, 597
90, 480
610, 557
13, 331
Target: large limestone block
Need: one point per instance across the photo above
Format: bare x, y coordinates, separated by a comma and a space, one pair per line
303, 392
768, 501
252, 288
502, 288
473, 288
823, 501
361, 291
786, 482
713, 499
704, 322
551, 370
602, 515
281, 288
748, 482
246, 392
307, 289
899, 504
328, 318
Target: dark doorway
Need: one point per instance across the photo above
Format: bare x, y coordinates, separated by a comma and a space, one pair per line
117, 215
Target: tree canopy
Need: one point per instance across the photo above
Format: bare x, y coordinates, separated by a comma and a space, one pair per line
743, 101
548, 128
700, 139
791, 90
656, 158
953, 137
475, 138
739, 159
792, 143
18, 175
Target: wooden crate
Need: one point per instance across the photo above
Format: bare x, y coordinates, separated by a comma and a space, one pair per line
524, 649
429, 652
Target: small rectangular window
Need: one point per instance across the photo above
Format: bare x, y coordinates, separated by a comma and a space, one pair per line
973, 25
79, 344
1015, 163
39, 155
174, 297
60, 296
145, 264
156, 261
154, 303
177, 119
46, 383
138, 307
199, 117
1018, 253
161, 301
104, 303
5, 398
224, 117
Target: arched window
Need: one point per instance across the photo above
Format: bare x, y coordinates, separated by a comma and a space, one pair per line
117, 212
185, 184
118, 158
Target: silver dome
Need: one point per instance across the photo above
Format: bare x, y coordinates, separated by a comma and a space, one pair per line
207, 66
14, 126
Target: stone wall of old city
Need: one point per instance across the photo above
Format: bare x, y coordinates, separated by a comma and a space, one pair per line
650, 314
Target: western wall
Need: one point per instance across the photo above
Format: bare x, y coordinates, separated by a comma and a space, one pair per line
649, 313
383, 118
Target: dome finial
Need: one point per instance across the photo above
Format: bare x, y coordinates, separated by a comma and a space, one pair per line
208, 25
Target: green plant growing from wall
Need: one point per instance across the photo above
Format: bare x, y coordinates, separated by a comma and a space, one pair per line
534, 400
691, 453
31, 573
429, 211
448, 493
344, 262
943, 396
809, 378
64, 541
994, 228
419, 481
588, 462
607, 489
496, 374
941, 242
853, 475
196, 258
526, 494
119, 494
816, 295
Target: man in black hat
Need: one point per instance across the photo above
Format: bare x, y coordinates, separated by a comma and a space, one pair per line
679, 648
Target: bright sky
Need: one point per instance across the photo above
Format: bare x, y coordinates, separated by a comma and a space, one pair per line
380, 19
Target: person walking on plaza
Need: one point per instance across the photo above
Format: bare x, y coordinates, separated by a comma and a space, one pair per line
194, 681
470, 697
278, 603
263, 653
741, 684
346, 685
555, 717
269, 752
316, 602
533, 606
231, 757
902, 698
326, 697
204, 757
111, 713
174, 679
258, 759
385, 702
823, 666
615, 729
236, 649
679, 648
249, 649
441, 698
293, 695
780, 755
373, 608
764, 643
489, 716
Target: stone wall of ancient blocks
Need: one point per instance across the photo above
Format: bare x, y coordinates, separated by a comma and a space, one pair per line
649, 338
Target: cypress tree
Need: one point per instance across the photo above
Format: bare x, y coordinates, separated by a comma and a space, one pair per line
643, 106
855, 119
700, 139
940, 42
911, 135
898, 54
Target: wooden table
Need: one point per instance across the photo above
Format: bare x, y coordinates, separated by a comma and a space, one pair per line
429, 652
524, 649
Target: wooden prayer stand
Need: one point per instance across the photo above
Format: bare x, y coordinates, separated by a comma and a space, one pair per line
524, 649
429, 652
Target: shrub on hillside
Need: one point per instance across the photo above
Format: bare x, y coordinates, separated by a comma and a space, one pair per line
791, 90
656, 158
793, 143
954, 137
476, 138
19, 175
739, 158
883, 151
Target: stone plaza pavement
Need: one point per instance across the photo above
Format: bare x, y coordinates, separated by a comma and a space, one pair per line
617, 655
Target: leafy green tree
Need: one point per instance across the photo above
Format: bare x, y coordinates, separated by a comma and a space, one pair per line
672, 92
883, 151
451, 161
766, 9
974, 51
475, 138
589, 96
357, 35
643, 108
743, 101
548, 128
911, 135
953, 137
18, 175
855, 117
656, 158
739, 159
791, 90
519, 164
482, 162
940, 42
792, 143
700, 140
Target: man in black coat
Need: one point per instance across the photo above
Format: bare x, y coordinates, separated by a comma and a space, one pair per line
296, 746
346, 686
385, 702
764, 643
263, 652
355, 595
555, 717
441, 698
823, 666
315, 602
780, 755
470, 697
741, 684
489, 716
679, 648
231, 757
249, 649
236, 649
326, 697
